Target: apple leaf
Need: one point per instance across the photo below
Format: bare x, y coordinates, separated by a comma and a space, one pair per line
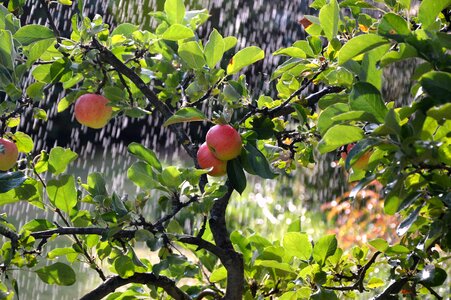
23, 141
358, 45
11, 180
214, 49
256, 163
365, 97
58, 273
192, 54
244, 58
177, 32
187, 114
29, 34
394, 27
329, 18
59, 159
324, 248
236, 175
145, 154
175, 11
338, 136
63, 193
429, 9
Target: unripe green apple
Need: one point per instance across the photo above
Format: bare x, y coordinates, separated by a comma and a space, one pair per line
224, 142
92, 110
8, 154
207, 160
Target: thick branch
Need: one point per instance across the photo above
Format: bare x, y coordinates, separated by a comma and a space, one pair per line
14, 237
112, 283
233, 262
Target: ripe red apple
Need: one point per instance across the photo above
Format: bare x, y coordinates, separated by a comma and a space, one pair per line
224, 142
92, 110
207, 160
8, 154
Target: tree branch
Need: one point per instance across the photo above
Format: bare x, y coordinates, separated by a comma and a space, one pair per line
108, 57
233, 262
51, 22
358, 285
112, 283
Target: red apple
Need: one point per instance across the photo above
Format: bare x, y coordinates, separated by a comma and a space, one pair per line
207, 160
92, 110
8, 154
224, 142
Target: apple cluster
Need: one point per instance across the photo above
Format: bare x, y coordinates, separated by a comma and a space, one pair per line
222, 143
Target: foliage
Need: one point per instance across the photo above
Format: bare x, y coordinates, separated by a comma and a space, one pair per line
172, 71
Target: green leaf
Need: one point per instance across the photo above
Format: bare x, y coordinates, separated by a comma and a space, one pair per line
58, 273
365, 97
380, 244
329, 18
339, 135
124, 266
125, 29
256, 162
229, 42
291, 51
7, 52
65, 2
214, 49
118, 206
38, 225
325, 118
297, 244
23, 141
440, 113
29, 34
36, 91
175, 11
63, 193
407, 222
142, 175
192, 54
236, 175
429, 10
244, 58
323, 294
30, 190
177, 32
404, 51
11, 180
60, 158
145, 154
37, 49
186, 114
58, 252
394, 27
432, 276
324, 248
218, 274
375, 282
171, 177
274, 264
397, 249
358, 45
96, 185
437, 84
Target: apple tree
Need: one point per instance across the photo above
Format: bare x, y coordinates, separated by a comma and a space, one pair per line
174, 72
